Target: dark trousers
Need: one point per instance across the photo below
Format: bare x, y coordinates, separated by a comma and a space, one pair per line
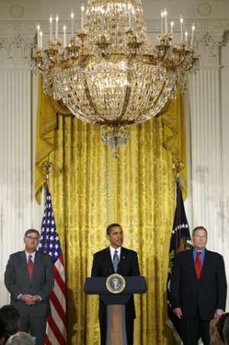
193, 330
36, 326
130, 332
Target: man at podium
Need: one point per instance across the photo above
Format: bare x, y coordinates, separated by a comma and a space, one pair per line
116, 259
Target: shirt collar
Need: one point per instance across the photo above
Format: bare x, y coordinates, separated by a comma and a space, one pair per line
112, 250
27, 255
198, 250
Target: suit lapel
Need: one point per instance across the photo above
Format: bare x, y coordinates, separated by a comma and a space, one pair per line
191, 261
24, 265
122, 261
38, 262
108, 260
205, 263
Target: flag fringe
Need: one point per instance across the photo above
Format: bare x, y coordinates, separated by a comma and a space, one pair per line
174, 331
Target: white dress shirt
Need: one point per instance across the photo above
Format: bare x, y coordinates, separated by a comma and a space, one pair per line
112, 251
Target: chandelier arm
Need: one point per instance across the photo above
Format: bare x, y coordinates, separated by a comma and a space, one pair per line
125, 103
89, 98
181, 61
60, 107
158, 96
127, 91
189, 68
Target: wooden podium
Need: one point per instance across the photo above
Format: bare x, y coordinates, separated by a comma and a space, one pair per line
115, 302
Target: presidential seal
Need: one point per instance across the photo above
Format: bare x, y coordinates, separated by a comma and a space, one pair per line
115, 283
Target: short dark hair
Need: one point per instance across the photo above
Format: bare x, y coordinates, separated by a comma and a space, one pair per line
113, 225
2, 329
200, 227
11, 319
31, 231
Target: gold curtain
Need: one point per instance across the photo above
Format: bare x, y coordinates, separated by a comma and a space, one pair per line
90, 189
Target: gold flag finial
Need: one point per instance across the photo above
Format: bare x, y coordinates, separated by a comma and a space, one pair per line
177, 167
46, 167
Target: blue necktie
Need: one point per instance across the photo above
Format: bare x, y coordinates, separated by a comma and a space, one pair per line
115, 260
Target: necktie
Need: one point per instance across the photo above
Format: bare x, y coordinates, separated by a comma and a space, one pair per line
115, 260
198, 265
30, 266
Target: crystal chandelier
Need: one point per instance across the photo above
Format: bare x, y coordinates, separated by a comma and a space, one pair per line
109, 73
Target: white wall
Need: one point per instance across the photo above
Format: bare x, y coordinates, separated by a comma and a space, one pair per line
225, 154
18, 211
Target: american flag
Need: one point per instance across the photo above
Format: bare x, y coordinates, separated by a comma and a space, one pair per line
50, 244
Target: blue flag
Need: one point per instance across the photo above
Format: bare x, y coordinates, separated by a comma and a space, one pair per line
178, 242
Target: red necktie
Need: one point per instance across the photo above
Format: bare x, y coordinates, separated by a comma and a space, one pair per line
30, 267
198, 265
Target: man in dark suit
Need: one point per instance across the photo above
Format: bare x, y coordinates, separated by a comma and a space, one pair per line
29, 279
127, 266
198, 288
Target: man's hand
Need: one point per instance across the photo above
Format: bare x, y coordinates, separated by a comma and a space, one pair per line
29, 299
218, 313
178, 312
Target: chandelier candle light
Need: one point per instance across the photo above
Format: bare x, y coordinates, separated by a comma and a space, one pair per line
109, 73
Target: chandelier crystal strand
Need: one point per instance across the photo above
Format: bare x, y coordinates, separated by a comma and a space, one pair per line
109, 73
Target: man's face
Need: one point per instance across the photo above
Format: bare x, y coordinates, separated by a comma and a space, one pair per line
31, 242
115, 237
199, 239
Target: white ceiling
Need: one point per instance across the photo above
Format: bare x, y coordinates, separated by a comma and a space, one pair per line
40, 10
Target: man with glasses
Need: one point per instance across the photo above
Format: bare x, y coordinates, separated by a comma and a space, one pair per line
29, 279
198, 288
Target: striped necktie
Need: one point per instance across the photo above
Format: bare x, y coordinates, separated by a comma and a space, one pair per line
115, 260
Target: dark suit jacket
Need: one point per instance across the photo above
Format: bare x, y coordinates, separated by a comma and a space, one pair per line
204, 295
17, 282
128, 266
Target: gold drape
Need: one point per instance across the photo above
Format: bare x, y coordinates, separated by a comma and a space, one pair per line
90, 189
46, 125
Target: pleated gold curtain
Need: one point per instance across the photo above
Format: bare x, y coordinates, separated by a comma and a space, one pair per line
90, 189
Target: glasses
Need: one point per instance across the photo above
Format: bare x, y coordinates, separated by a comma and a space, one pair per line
32, 238
198, 236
